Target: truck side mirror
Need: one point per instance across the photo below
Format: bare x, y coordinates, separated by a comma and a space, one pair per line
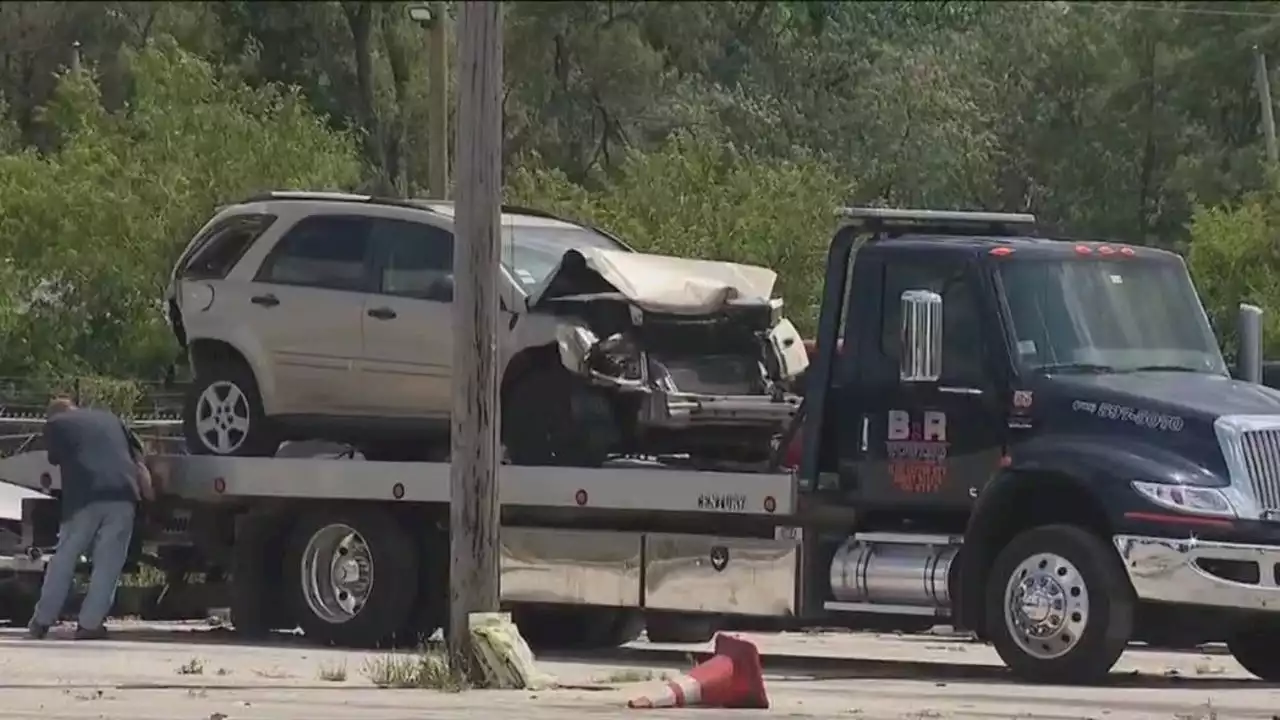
920, 353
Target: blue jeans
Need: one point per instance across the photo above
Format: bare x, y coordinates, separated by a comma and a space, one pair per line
107, 528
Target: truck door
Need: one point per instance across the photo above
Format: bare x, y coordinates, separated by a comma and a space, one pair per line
934, 443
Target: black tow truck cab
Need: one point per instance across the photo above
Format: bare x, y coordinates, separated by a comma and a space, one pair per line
1038, 439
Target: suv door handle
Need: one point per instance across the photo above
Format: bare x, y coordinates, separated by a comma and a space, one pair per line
382, 313
267, 300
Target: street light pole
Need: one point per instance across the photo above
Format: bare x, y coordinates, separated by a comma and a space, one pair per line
435, 19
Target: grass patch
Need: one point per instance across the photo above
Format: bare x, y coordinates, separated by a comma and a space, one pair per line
427, 668
194, 666
333, 672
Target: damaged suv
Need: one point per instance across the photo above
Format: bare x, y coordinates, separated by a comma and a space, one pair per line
328, 316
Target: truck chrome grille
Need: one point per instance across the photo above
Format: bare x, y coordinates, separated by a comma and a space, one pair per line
1261, 451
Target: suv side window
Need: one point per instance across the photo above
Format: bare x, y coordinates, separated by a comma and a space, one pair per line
321, 251
962, 347
416, 260
213, 255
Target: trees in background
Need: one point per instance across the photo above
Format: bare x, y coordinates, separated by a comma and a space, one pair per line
721, 129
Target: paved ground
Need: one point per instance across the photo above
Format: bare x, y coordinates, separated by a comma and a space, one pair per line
173, 672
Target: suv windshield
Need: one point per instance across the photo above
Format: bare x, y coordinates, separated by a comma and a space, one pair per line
1121, 315
532, 251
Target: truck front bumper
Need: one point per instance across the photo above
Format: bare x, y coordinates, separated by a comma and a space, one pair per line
1202, 572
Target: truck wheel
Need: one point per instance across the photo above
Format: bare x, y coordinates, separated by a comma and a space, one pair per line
559, 627
1059, 607
352, 575
223, 414
255, 589
679, 628
550, 417
1258, 651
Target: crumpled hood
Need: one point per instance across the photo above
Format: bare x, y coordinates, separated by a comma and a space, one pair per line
1196, 394
654, 283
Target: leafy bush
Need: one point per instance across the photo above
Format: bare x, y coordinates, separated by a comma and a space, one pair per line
701, 197
1235, 257
90, 231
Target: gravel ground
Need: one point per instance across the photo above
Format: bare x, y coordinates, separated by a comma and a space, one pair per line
176, 671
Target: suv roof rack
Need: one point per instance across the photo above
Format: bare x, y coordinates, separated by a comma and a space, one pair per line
327, 197
892, 222
415, 203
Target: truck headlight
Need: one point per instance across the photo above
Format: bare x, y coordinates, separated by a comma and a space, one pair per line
1185, 498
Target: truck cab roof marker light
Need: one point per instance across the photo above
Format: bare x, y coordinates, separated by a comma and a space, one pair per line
1001, 251
219, 485
1083, 250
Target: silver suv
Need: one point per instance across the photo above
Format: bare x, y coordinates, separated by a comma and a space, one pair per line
328, 316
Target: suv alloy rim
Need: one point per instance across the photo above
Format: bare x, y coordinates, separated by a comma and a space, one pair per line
222, 417
1046, 606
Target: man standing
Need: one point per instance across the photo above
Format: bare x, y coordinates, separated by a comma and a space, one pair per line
103, 478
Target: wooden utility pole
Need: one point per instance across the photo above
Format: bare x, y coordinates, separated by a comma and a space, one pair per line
473, 516
1262, 78
438, 104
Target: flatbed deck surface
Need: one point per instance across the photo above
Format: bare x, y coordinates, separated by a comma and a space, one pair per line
618, 486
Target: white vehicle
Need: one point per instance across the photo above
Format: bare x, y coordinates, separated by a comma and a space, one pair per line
328, 316
1013, 440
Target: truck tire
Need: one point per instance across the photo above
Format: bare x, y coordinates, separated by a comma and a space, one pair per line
679, 628
351, 576
1258, 651
1059, 606
255, 590
223, 414
551, 417
560, 627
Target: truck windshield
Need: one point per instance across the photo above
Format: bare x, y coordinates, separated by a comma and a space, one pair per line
531, 252
1122, 315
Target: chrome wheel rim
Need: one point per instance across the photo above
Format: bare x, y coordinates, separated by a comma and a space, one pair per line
1046, 606
337, 573
222, 417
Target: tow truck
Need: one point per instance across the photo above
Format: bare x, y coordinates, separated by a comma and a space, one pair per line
1036, 440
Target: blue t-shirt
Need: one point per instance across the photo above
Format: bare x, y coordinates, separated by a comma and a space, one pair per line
96, 454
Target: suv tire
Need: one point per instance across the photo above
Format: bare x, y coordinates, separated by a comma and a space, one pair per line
223, 414
551, 417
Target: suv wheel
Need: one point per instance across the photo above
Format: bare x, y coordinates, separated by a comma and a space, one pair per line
223, 414
551, 417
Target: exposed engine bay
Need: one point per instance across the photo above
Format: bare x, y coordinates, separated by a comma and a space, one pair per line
695, 352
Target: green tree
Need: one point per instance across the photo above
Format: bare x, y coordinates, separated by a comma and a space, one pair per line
92, 228
1235, 258
699, 196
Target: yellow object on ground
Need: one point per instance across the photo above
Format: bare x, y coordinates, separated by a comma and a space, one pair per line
503, 655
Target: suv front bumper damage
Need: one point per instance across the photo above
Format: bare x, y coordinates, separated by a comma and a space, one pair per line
664, 405
1202, 572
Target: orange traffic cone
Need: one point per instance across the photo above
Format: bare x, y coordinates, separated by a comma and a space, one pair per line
731, 679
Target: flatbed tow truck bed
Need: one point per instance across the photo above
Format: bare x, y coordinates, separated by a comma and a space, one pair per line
661, 558
647, 488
